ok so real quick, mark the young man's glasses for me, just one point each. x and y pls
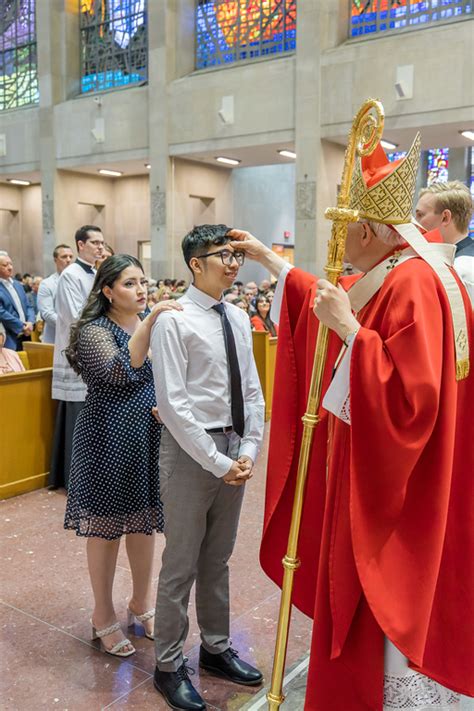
(226, 256)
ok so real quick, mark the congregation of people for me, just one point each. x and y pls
(155, 376)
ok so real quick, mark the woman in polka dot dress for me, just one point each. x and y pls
(114, 484)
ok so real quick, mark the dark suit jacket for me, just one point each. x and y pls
(9, 315)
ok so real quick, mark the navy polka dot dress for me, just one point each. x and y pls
(114, 485)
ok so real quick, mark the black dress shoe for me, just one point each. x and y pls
(177, 690)
(228, 665)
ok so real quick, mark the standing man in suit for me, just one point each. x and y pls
(210, 401)
(63, 256)
(74, 287)
(16, 314)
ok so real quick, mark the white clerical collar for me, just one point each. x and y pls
(201, 298)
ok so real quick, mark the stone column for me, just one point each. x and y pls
(58, 77)
(161, 28)
(320, 26)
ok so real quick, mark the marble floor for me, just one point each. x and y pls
(47, 658)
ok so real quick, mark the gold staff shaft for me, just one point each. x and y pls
(364, 135)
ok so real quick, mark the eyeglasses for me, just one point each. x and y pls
(226, 256)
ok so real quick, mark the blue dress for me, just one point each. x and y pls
(114, 484)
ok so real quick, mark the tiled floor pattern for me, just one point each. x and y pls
(47, 658)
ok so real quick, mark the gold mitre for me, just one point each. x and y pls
(382, 191)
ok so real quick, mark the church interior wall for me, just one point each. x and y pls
(263, 102)
(201, 194)
(131, 206)
(442, 85)
(22, 141)
(21, 227)
(83, 199)
(125, 121)
(264, 204)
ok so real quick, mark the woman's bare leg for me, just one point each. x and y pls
(102, 561)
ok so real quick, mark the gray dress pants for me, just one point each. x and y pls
(201, 518)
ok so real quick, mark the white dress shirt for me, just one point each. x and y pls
(46, 295)
(8, 283)
(74, 286)
(192, 381)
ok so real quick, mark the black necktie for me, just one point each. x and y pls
(236, 399)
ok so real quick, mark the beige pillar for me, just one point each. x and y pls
(57, 31)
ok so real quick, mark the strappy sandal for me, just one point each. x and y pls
(132, 618)
(117, 649)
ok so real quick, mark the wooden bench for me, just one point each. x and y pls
(264, 350)
(27, 416)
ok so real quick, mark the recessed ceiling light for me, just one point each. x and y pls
(388, 145)
(468, 134)
(228, 161)
(113, 173)
(147, 165)
(17, 181)
(287, 154)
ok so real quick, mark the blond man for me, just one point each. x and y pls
(447, 207)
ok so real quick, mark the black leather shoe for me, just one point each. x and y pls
(228, 665)
(177, 690)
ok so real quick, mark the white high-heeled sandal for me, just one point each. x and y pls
(132, 618)
(117, 649)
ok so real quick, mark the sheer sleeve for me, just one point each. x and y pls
(101, 358)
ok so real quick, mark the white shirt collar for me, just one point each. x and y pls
(200, 298)
(7, 281)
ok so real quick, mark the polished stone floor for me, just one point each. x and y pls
(48, 660)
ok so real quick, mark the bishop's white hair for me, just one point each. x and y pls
(385, 234)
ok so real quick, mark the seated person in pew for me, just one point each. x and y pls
(9, 360)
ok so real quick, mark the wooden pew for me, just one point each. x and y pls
(40, 355)
(27, 416)
(264, 350)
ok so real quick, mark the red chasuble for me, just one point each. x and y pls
(387, 535)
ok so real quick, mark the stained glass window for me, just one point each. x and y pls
(231, 31)
(114, 43)
(396, 155)
(368, 16)
(18, 72)
(438, 160)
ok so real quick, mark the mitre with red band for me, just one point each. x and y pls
(384, 192)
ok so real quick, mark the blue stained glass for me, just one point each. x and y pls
(18, 64)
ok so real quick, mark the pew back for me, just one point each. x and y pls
(264, 350)
(40, 355)
(27, 415)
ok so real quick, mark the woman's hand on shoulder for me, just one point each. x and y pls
(168, 305)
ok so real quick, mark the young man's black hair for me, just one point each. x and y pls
(82, 234)
(201, 238)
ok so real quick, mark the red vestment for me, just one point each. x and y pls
(387, 533)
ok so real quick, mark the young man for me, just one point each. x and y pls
(447, 207)
(63, 256)
(74, 286)
(210, 401)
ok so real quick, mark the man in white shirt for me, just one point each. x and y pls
(210, 401)
(447, 207)
(74, 286)
(63, 256)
